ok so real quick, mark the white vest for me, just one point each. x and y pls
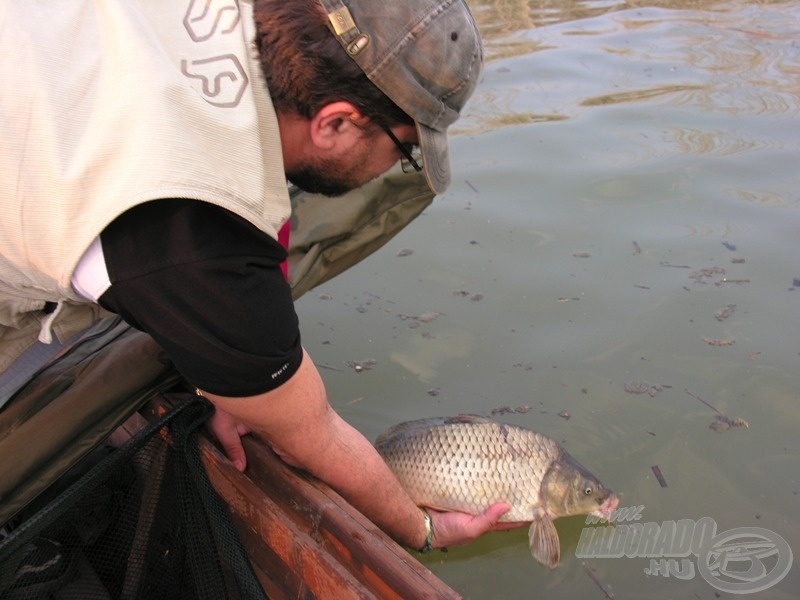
(107, 104)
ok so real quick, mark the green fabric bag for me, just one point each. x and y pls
(330, 235)
(73, 404)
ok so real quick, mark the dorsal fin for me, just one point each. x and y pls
(467, 418)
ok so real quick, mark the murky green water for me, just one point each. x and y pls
(611, 152)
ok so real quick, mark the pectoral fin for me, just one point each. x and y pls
(544, 542)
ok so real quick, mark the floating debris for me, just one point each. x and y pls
(364, 365)
(664, 263)
(724, 422)
(476, 297)
(526, 366)
(462, 293)
(434, 391)
(325, 297)
(565, 414)
(405, 252)
(724, 313)
(738, 261)
(429, 316)
(699, 399)
(636, 248)
(730, 247)
(565, 299)
(507, 410)
(425, 317)
(581, 255)
(702, 275)
(796, 282)
(721, 421)
(659, 476)
(725, 281)
(642, 387)
(641, 287)
(606, 593)
(637, 387)
(714, 342)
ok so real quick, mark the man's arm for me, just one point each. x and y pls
(299, 423)
(208, 287)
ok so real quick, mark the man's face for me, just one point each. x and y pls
(336, 175)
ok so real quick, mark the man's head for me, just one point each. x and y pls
(407, 66)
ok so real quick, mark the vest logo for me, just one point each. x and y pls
(206, 18)
(222, 79)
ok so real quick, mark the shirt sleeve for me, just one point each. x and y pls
(207, 285)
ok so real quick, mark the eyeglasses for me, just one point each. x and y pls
(408, 161)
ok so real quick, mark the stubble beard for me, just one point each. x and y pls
(323, 176)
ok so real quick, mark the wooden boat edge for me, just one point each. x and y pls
(304, 540)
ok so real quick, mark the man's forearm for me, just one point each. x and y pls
(353, 468)
(298, 422)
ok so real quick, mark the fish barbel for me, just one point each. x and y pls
(467, 463)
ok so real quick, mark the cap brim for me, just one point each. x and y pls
(435, 157)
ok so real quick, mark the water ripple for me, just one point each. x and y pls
(724, 57)
(716, 142)
(639, 95)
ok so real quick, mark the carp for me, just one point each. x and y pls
(467, 463)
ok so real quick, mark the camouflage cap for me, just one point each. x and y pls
(425, 55)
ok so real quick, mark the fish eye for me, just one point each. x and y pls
(588, 491)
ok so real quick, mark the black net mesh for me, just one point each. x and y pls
(141, 522)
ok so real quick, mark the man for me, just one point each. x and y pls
(144, 156)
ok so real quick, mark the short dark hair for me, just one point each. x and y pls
(306, 68)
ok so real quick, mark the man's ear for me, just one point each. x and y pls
(337, 126)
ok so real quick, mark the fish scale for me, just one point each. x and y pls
(467, 466)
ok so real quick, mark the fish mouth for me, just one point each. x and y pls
(608, 507)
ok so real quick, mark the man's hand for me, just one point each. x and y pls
(456, 528)
(229, 432)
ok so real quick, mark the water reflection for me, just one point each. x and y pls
(424, 355)
(499, 18)
(719, 56)
(767, 198)
(639, 95)
(714, 142)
